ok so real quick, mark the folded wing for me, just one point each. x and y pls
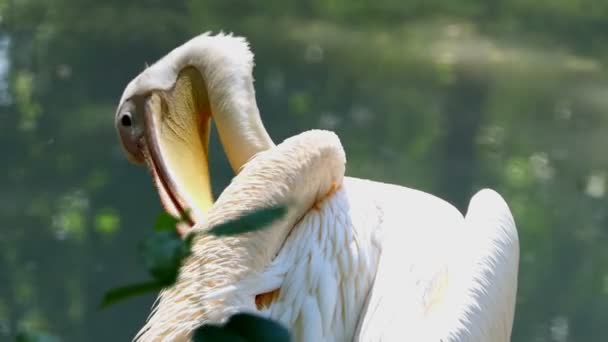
(442, 277)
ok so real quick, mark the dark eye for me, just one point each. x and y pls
(125, 119)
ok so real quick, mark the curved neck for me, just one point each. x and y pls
(226, 65)
(236, 115)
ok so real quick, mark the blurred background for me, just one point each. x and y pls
(443, 96)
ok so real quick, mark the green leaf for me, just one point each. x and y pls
(162, 254)
(252, 221)
(165, 222)
(119, 294)
(243, 327)
(256, 328)
(214, 333)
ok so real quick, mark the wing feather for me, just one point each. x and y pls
(442, 277)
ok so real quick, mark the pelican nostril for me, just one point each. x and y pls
(125, 120)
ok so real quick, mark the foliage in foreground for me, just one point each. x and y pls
(243, 327)
(163, 253)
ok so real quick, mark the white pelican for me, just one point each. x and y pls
(353, 260)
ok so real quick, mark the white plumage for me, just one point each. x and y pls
(353, 260)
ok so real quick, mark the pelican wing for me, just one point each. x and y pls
(442, 277)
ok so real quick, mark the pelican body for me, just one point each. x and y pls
(352, 260)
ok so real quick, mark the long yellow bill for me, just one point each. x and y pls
(177, 138)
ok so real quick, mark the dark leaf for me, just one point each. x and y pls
(119, 294)
(162, 254)
(255, 220)
(214, 333)
(256, 328)
(166, 222)
(188, 239)
(243, 327)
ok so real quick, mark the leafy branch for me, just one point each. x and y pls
(163, 253)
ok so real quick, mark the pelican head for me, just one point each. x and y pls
(164, 115)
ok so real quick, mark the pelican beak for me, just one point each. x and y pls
(176, 140)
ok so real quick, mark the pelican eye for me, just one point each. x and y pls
(125, 120)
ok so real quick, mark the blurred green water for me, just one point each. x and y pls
(443, 96)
